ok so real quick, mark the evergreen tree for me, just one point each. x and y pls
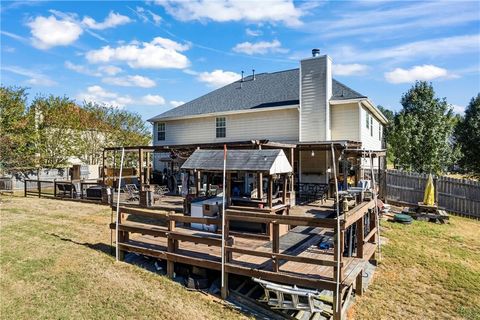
(468, 137)
(422, 135)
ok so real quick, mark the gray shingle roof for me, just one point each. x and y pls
(272, 161)
(267, 90)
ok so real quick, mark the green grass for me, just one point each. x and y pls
(55, 265)
(428, 271)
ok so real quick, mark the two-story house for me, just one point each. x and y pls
(294, 106)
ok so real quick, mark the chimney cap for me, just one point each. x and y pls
(315, 52)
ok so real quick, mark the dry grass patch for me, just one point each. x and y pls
(428, 271)
(55, 264)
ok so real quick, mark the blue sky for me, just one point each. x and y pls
(150, 56)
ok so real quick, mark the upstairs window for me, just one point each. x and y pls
(380, 132)
(161, 131)
(367, 119)
(221, 127)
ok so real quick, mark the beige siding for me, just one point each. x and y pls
(345, 122)
(369, 141)
(315, 92)
(277, 125)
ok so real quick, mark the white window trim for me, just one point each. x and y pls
(164, 131)
(216, 127)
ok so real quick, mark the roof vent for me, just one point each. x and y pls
(253, 74)
(315, 52)
(242, 77)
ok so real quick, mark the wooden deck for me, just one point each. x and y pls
(294, 258)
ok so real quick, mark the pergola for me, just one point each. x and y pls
(272, 163)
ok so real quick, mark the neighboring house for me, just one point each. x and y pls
(291, 106)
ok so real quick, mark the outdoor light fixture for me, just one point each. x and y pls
(313, 153)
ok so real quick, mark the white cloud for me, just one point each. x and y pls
(112, 20)
(147, 15)
(426, 48)
(157, 54)
(253, 33)
(175, 103)
(99, 95)
(110, 70)
(130, 81)
(34, 78)
(458, 109)
(261, 47)
(353, 69)
(152, 100)
(283, 11)
(387, 21)
(81, 69)
(49, 31)
(218, 78)
(100, 71)
(425, 72)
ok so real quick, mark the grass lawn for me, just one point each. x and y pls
(428, 271)
(55, 264)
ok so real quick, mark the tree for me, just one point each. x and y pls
(16, 129)
(467, 135)
(421, 138)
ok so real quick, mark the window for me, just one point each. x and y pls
(368, 119)
(221, 127)
(371, 126)
(161, 131)
(379, 132)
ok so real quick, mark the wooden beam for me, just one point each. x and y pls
(275, 245)
(360, 210)
(270, 191)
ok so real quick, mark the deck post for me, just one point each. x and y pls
(103, 167)
(198, 182)
(284, 194)
(373, 224)
(338, 252)
(260, 181)
(270, 191)
(140, 171)
(275, 245)
(228, 256)
(360, 229)
(292, 178)
(172, 245)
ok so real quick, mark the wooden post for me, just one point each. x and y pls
(103, 167)
(25, 188)
(146, 178)
(360, 236)
(284, 194)
(275, 245)
(39, 186)
(228, 256)
(270, 191)
(140, 171)
(228, 188)
(260, 181)
(172, 246)
(337, 252)
(198, 182)
(292, 161)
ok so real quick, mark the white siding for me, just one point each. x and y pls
(315, 92)
(345, 122)
(276, 125)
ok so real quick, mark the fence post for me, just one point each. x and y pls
(25, 188)
(39, 187)
(55, 187)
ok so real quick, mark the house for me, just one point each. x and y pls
(298, 106)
